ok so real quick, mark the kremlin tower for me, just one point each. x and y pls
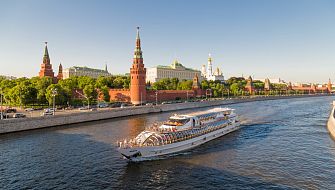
(46, 67)
(60, 72)
(138, 91)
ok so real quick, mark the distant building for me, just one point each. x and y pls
(209, 74)
(273, 80)
(175, 70)
(8, 77)
(84, 71)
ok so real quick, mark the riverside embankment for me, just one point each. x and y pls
(15, 125)
(331, 122)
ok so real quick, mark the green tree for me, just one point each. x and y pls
(60, 98)
(105, 92)
(204, 84)
(102, 81)
(235, 88)
(83, 81)
(41, 85)
(185, 85)
(90, 92)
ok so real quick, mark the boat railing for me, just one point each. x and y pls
(168, 138)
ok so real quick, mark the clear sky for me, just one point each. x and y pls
(290, 39)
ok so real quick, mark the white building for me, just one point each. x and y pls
(209, 74)
(273, 80)
(84, 71)
(175, 70)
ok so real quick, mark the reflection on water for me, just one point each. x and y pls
(282, 144)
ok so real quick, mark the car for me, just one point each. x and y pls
(29, 109)
(49, 110)
(149, 104)
(116, 104)
(11, 110)
(69, 108)
(47, 113)
(123, 105)
(19, 115)
(83, 108)
(103, 105)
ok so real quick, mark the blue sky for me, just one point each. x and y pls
(292, 39)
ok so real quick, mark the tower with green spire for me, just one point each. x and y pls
(138, 91)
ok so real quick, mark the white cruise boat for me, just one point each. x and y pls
(180, 132)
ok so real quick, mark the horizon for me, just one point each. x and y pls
(278, 39)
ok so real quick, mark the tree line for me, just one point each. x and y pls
(39, 91)
(234, 86)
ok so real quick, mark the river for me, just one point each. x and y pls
(283, 144)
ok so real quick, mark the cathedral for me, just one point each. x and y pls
(209, 74)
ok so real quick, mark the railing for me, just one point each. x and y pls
(174, 136)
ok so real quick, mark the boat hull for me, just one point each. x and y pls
(331, 122)
(141, 153)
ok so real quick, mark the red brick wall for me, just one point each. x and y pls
(168, 95)
(123, 95)
(120, 95)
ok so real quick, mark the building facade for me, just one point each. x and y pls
(175, 70)
(209, 74)
(84, 71)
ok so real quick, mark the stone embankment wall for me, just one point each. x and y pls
(13, 125)
(331, 123)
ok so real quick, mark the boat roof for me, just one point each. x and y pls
(201, 113)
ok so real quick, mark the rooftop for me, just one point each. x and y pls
(88, 69)
(176, 66)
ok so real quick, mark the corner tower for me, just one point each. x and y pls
(46, 67)
(138, 91)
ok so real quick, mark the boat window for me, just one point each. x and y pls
(176, 122)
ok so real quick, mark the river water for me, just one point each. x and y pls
(283, 144)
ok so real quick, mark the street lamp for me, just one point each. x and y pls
(210, 93)
(156, 97)
(54, 93)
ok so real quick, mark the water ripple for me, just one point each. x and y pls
(283, 144)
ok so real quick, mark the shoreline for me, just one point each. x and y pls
(23, 124)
